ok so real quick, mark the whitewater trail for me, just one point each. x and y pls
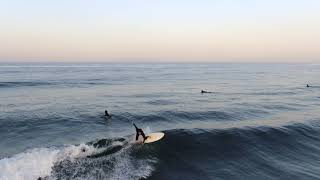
(39, 162)
(111, 161)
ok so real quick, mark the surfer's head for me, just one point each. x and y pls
(106, 113)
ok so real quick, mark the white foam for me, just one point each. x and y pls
(38, 162)
(128, 168)
(73, 151)
(28, 165)
(148, 130)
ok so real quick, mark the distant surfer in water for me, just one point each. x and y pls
(202, 91)
(140, 132)
(308, 85)
(106, 114)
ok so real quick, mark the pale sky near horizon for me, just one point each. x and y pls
(163, 30)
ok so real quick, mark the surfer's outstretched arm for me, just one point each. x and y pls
(137, 131)
(135, 126)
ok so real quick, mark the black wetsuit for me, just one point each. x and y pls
(107, 115)
(140, 132)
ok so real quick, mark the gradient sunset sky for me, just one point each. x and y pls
(160, 30)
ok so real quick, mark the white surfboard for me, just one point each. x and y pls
(154, 137)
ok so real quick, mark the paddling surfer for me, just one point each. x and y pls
(202, 91)
(106, 114)
(140, 132)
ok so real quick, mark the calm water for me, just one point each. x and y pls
(260, 122)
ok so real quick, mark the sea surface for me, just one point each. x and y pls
(259, 122)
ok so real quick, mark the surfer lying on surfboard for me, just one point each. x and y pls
(140, 132)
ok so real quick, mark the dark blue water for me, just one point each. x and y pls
(260, 122)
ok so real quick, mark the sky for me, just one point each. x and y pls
(160, 30)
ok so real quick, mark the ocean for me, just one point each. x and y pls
(259, 122)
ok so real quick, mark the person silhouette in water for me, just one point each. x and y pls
(140, 132)
(106, 114)
(202, 91)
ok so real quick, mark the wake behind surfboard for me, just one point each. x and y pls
(154, 137)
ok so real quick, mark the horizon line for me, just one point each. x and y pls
(162, 61)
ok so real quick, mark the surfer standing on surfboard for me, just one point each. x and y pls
(140, 132)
